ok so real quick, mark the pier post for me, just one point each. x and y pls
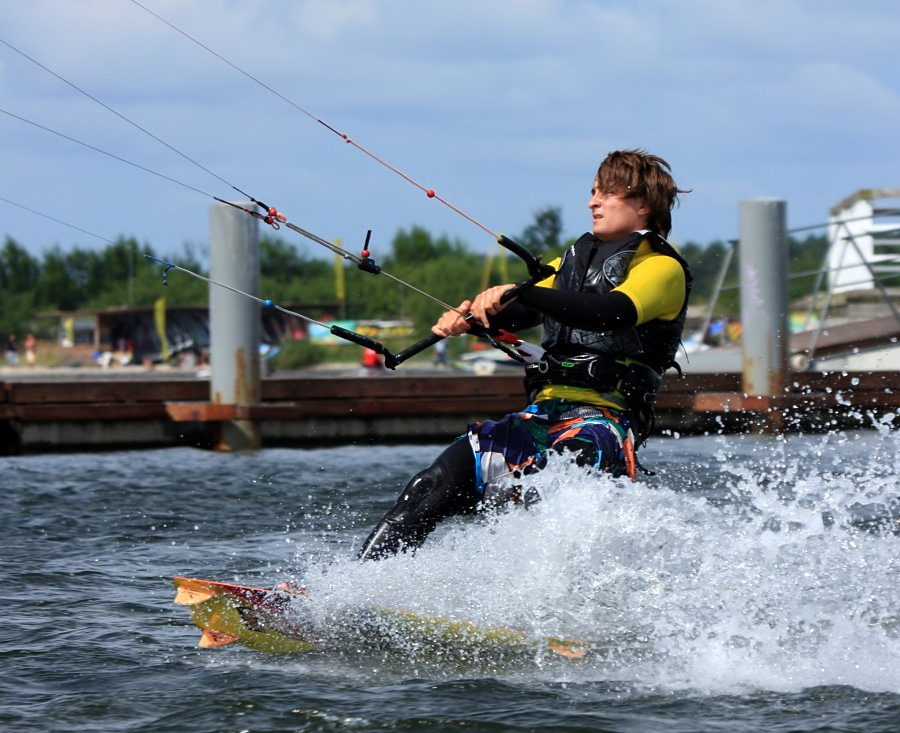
(234, 322)
(764, 302)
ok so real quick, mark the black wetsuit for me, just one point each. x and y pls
(583, 316)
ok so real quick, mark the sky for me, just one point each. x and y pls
(503, 108)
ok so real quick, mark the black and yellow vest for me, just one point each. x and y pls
(625, 366)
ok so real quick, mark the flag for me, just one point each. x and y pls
(159, 317)
(340, 290)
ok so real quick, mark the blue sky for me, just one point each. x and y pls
(503, 108)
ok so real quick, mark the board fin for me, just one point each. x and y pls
(568, 649)
(190, 596)
(211, 639)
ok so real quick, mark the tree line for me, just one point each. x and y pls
(120, 275)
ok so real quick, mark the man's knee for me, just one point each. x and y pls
(586, 454)
(447, 486)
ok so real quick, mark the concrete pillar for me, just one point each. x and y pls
(764, 298)
(234, 321)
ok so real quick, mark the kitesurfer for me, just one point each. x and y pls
(612, 319)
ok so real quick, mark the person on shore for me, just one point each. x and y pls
(371, 361)
(440, 355)
(612, 319)
(11, 350)
(31, 350)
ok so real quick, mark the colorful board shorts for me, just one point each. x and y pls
(518, 443)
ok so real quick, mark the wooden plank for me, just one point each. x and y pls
(670, 401)
(839, 381)
(204, 412)
(836, 400)
(388, 386)
(297, 411)
(690, 383)
(381, 408)
(105, 391)
(730, 402)
(846, 336)
(67, 413)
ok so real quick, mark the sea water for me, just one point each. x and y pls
(750, 584)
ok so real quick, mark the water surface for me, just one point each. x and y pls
(736, 590)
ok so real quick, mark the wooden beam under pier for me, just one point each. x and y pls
(103, 413)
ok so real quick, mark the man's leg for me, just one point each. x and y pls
(445, 488)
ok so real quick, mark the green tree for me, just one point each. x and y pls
(417, 245)
(544, 236)
(806, 260)
(440, 267)
(19, 271)
(58, 288)
(706, 265)
(289, 277)
(19, 276)
(280, 261)
(447, 269)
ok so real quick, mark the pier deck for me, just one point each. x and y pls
(129, 411)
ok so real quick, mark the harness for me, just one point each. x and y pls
(626, 382)
(625, 377)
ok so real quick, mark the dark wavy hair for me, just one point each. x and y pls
(638, 174)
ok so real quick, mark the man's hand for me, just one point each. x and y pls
(451, 323)
(488, 304)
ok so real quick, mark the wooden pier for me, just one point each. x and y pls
(101, 413)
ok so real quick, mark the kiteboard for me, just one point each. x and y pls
(276, 621)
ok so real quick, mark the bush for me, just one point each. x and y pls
(299, 354)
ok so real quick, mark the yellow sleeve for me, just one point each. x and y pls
(655, 284)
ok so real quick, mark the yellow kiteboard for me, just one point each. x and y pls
(273, 621)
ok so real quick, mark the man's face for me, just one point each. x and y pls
(616, 215)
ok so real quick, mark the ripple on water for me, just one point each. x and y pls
(734, 587)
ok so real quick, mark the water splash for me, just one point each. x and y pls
(748, 562)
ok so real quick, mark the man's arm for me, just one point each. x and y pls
(584, 311)
(654, 288)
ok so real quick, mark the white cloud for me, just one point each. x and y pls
(503, 107)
